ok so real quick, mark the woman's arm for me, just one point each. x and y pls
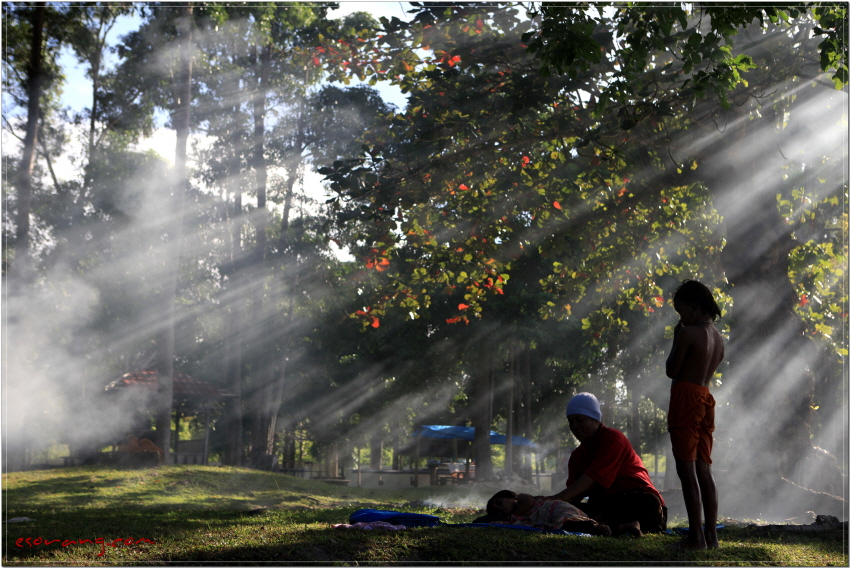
(575, 491)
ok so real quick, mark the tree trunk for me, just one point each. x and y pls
(635, 434)
(95, 61)
(174, 231)
(17, 433)
(234, 449)
(376, 450)
(509, 419)
(35, 79)
(235, 436)
(288, 282)
(527, 426)
(264, 411)
(479, 376)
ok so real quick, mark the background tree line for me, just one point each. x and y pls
(515, 232)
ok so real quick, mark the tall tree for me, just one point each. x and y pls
(34, 81)
(181, 120)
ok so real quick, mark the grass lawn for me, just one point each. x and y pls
(195, 515)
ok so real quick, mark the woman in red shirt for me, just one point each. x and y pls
(606, 470)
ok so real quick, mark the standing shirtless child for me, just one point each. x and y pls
(697, 352)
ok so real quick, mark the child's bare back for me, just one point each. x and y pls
(696, 354)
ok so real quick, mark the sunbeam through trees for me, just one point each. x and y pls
(343, 270)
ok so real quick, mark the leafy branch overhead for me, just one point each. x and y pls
(492, 159)
(568, 39)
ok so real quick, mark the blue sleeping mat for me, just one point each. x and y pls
(394, 517)
(423, 520)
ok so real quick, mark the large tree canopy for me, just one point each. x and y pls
(603, 169)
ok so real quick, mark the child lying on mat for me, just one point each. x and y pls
(506, 507)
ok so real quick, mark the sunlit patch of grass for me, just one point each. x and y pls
(207, 515)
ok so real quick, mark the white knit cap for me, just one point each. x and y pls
(586, 404)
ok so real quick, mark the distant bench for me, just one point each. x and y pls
(189, 452)
(334, 480)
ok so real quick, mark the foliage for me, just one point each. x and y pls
(469, 178)
(832, 23)
(817, 266)
(568, 39)
(818, 271)
(16, 50)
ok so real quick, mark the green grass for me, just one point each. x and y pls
(221, 515)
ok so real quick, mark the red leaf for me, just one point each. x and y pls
(453, 320)
(463, 187)
(804, 299)
(316, 61)
(376, 322)
(556, 205)
(462, 306)
(525, 161)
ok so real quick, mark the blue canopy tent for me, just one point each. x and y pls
(465, 433)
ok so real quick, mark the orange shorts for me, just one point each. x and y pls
(691, 421)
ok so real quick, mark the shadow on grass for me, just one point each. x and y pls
(468, 546)
(201, 487)
(187, 537)
(284, 537)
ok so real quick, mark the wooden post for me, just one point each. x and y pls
(416, 464)
(509, 442)
(207, 434)
(536, 462)
(175, 434)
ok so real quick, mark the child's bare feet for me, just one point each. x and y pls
(711, 538)
(632, 528)
(688, 544)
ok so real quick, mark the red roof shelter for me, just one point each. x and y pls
(184, 385)
(191, 396)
